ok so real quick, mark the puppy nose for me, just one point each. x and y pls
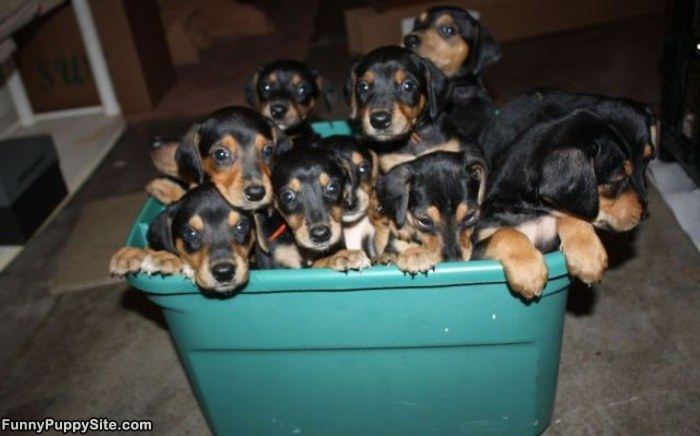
(278, 110)
(223, 272)
(411, 41)
(254, 192)
(320, 233)
(380, 119)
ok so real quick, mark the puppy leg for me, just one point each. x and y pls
(523, 264)
(164, 190)
(585, 254)
(418, 259)
(127, 260)
(344, 260)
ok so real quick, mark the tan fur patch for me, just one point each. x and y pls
(447, 54)
(233, 218)
(648, 151)
(324, 179)
(523, 264)
(272, 77)
(461, 211)
(434, 214)
(296, 79)
(622, 213)
(399, 76)
(295, 184)
(585, 255)
(356, 158)
(196, 222)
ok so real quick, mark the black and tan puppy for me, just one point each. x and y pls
(433, 203)
(286, 92)
(232, 148)
(361, 167)
(453, 40)
(461, 47)
(310, 191)
(397, 97)
(201, 236)
(554, 183)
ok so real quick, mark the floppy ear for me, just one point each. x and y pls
(436, 82)
(567, 182)
(349, 195)
(393, 190)
(350, 92)
(488, 50)
(251, 90)
(159, 234)
(260, 237)
(189, 161)
(325, 90)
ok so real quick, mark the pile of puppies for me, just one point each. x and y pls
(437, 172)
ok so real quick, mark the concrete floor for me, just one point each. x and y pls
(629, 360)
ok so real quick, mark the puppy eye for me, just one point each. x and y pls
(266, 87)
(446, 30)
(221, 155)
(287, 196)
(302, 90)
(242, 227)
(191, 237)
(364, 169)
(332, 188)
(267, 150)
(424, 222)
(469, 218)
(408, 85)
(363, 87)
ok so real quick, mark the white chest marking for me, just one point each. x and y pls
(354, 234)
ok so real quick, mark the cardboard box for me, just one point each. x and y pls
(31, 186)
(55, 69)
(371, 27)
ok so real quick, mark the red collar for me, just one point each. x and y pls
(278, 232)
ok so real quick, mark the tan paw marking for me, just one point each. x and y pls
(127, 260)
(162, 262)
(345, 260)
(526, 273)
(586, 259)
(417, 260)
(164, 190)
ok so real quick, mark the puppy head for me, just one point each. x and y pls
(309, 195)
(361, 166)
(436, 198)
(454, 40)
(214, 238)
(392, 90)
(286, 92)
(233, 148)
(594, 167)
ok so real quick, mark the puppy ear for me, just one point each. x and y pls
(251, 90)
(437, 84)
(160, 236)
(375, 165)
(476, 170)
(349, 195)
(189, 161)
(260, 237)
(488, 50)
(567, 182)
(325, 90)
(350, 92)
(393, 190)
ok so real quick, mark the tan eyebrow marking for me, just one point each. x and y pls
(196, 222)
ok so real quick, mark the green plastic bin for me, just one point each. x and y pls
(377, 352)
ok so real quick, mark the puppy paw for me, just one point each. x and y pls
(417, 260)
(586, 259)
(162, 262)
(127, 260)
(345, 260)
(164, 190)
(526, 273)
(385, 259)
